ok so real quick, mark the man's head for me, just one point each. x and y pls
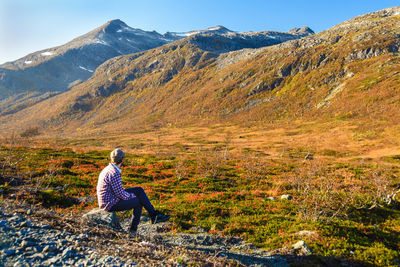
(117, 156)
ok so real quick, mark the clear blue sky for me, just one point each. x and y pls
(30, 25)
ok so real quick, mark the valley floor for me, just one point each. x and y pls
(271, 186)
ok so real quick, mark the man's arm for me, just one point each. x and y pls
(116, 186)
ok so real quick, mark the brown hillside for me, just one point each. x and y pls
(347, 74)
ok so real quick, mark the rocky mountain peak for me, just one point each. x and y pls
(113, 26)
(59, 68)
(218, 29)
(305, 30)
(211, 30)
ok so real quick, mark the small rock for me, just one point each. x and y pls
(27, 243)
(197, 229)
(93, 255)
(8, 229)
(37, 256)
(54, 260)
(108, 259)
(148, 244)
(37, 248)
(272, 198)
(286, 197)
(15, 218)
(67, 253)
(83, 236)
(130, 263)
(62, 242)
(49, 248)
(70, 238)
(302, 248)
(25, 224)
(30, 239)
(9, 252)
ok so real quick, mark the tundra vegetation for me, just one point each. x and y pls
(217, 139)
(342, 207)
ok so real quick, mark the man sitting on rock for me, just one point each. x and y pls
(112, 197)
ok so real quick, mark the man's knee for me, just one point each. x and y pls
(135, 190)
(139, 189)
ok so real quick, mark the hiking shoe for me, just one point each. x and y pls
(134, 235)
(159, 217)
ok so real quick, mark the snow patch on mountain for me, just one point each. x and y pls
(98, 41)
(85, 69)
(214, 28)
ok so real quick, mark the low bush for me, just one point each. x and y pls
(345, 206)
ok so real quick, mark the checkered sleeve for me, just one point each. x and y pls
(116, 186)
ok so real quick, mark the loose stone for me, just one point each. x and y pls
(67, 253)
(27, 243)
(302, 248)
(25, 224)
(9, 252)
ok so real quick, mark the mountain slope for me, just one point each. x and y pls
(60, 68)
(56, 69)
(224, 40)
(347, 72)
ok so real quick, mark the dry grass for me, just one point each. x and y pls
(329, 140)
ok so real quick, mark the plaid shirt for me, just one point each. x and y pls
(109, 188)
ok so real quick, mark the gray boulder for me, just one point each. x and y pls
(301, 248)
(98, 217)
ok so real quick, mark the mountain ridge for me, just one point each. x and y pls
(51, 71)
(59, 68)
(315, 77)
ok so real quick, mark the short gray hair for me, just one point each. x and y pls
(117, 155)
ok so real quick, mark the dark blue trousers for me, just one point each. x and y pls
(137, 203)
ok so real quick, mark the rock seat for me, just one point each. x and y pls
(99, 217)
